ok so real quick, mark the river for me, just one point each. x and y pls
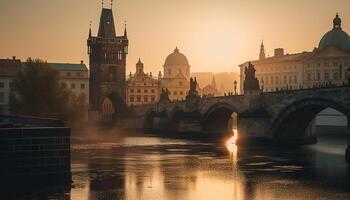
(152, 168)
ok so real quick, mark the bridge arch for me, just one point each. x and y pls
(175, 116)
(219, 118)
(293, 121)
(111, 105)
(148, 123)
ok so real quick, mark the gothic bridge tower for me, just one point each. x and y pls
(107, 55)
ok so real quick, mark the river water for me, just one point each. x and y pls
(152, 168)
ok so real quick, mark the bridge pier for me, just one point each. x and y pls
(253, 126)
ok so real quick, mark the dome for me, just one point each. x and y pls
(336, 37)
(176, 58)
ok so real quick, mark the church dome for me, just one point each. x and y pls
(176, 58)
(336, 37)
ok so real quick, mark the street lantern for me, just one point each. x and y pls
(235, 86)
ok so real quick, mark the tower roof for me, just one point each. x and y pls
(106, 28)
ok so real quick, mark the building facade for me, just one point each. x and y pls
(74, 77)
(8, 71)
(329, 63)
(141, 88)
(176, 75)
(107, 55)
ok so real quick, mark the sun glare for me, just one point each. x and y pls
(231, 142)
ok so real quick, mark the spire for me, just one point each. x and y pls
(337, 22)
(176, 50)
(139, 66)
(90, 30)
(213, 82)
(106, 28)
(125, 32)
(262, 51)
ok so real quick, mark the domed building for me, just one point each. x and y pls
(176, 63)
(336, 37)
(329, 63)
(176, 75)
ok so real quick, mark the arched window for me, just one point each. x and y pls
(107, 109)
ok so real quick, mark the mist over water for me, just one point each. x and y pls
(140, 167)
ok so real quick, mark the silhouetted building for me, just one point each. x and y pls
(107, 55)
(211, 89)
(141, 88)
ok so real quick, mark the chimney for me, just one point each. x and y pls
(81, 62)
(14, 57)
(279, 52)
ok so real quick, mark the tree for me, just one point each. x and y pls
(37, 92)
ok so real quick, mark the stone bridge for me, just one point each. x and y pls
(282, 116)
(275, 115)
(279, 116)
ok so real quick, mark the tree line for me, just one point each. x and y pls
(37, 91)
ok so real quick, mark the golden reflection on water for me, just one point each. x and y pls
(232, 147)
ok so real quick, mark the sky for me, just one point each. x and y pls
(215, 35)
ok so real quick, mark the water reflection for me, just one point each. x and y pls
(154, 168)
(232, 147)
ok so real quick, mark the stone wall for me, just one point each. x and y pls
(35, 156)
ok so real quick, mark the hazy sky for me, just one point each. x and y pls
(215, 35)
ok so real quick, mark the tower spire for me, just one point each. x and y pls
(125, 32)
(90, 30)
(262, 51)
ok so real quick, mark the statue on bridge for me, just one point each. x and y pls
(192, 99)
(164, 95)
(193, 87)
(251, 83)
